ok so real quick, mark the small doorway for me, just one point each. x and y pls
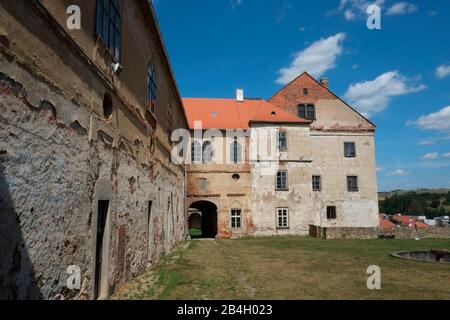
(102, 216)
(150, 231)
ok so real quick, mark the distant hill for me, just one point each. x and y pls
(424, 202)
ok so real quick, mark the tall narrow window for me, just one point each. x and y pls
(331, 213)
(108, 23)
(282, 218)
(352, 184)
(316, 183)
(207, 152)
(196, 152)
(282, 181)
(151, 87)
(282, 141)
(236, 219)
(349, 149)
(236, 151)
(305, 91)
(307, 111)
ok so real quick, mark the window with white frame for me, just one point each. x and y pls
(282, 218)
(236, 219)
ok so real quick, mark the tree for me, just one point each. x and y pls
(435, 204)
(416, 207)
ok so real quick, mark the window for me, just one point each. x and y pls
(107, 106)
(236, 177)
(207, 152)
(107, 25)
(235, 219)
(236, 151)
(202, 183)
(349, 149)
(352, 184)
(305, 91)
(307, 111)
(331, 213)
(151, 87)
(282, 218)
(282, 181)
(317, 183)
(196, 152)
(282, 141)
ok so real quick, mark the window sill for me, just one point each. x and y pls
(283, 228)
(282, 190)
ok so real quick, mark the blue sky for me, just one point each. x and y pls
(399, 76)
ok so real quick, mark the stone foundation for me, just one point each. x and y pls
(375, 233)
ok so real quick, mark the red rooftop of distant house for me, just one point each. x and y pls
(410, 222)
(385, 223)
(233, 114)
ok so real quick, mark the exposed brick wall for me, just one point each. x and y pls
(289, 97)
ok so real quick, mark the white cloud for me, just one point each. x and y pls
(398, 173)
(401, 8)
(319, 57)
(430, 156)
(371, 97)
(235, 3)
(446, 155)
(428, 142)
(354, 9)
(442, 71)
(439, 121)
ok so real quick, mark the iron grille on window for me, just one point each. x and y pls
(107, 26)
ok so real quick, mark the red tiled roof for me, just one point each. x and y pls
(385, 223)
(231, 114)
(407, 221)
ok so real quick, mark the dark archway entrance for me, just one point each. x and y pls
(204, 215)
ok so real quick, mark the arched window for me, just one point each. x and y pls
(196, 150)
(207, 152)
(151, 87)
(236, 152)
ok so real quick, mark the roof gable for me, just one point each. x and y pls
(316, 92)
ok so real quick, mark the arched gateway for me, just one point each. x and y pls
(203, 219)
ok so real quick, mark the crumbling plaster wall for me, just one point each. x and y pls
(55, 149)
(297, 162)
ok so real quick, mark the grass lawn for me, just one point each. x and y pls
(291, 268)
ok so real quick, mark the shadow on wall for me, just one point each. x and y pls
(17, 279)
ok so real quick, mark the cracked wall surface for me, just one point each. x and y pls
(60, 155)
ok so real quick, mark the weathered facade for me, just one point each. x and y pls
(309, 162)
(86, 177)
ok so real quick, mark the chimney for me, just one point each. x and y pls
(324, 82)
(239, 95)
